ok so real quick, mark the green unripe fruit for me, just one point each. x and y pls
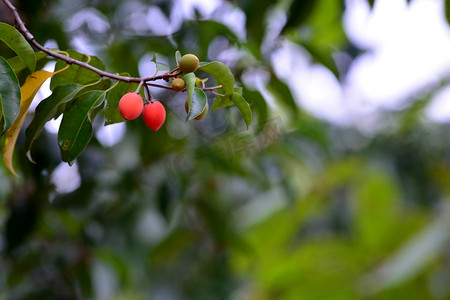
(178, 84)
(189, 63)
(200, 116)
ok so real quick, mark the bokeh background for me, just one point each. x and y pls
(339, 190)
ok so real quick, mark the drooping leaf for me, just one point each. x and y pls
(197, 105)
(9, 95)
(243, 107)
(46, 110)
(17, 42)
(159, 66)
(19, 65)
(76, 130)
(221, 73)
(75, 73)
(371, 3)
(112, 114)
(189, 79)
(28, 91)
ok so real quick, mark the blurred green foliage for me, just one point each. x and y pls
(289, 209)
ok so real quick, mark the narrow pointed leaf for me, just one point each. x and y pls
(189, 79)
(243, 107)
(16, 41)
(19, 65)
(76, 130)
(221, 73)
(75, 73)
(46, 110)
(197, 105)
(28, 91)
(9, 95)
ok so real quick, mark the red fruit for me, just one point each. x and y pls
(130, 106)
(154, 115)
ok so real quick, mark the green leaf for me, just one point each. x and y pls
(221, 73)
(159, 66)
(10, 95)
(298, 13)
(171, 247)
(76, 130)
(46, 110)
(75, 73)
(96, 85)
(259, 106)
(112, 114)
(189, 79)
(221, 102)
(19, 65)
(282, 94)
(16, 41)
(177, 56)
(197, 105)
(371, 3)
(243, 107)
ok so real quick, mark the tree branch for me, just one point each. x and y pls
(23, 29)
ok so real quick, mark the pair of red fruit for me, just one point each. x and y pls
(154, 113)
(131, 106)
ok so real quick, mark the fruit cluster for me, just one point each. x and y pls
(131, 105)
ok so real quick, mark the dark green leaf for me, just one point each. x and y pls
(16, 41)
(46, 110)
(371, 3)
(221, 73)
(243, 107)
(298, 13)
(197, 105)
(75, 131)
(19, 65)
(75, 73)
(9, 95)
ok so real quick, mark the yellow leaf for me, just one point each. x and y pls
(29, 90)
